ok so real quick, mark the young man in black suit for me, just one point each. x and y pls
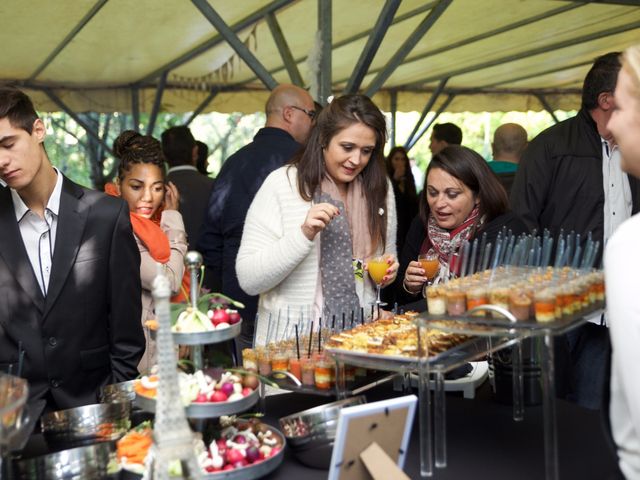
(69, 272)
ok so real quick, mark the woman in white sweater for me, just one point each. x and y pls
(314, 223)
(622, 264)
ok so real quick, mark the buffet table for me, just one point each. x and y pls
(483, 440)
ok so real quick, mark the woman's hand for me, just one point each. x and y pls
(171, 197)
(318, 218)
(414, 277)
(392, 271)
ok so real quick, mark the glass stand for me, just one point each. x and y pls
(433, 437)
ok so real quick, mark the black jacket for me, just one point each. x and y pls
(559, 181)
(233, 191)
(86, 332)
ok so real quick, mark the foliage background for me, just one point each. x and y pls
(85, 161)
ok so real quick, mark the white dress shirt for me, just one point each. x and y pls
(617, 193)
(39, 234)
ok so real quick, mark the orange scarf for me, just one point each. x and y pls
(151, 235)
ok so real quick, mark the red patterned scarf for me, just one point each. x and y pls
(447, 242)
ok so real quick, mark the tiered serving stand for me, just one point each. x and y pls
(486, 335)
(203, 411)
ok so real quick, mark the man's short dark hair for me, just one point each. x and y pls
(448, 132)
(18, 108)
(602, 77)
(177, 145)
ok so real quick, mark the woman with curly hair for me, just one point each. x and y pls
(157, 225)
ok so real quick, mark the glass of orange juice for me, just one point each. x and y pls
(377, 267)
(430, 264)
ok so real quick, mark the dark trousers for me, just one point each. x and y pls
(582, 359)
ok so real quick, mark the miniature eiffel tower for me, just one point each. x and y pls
(172, 437)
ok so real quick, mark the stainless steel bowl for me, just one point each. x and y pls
(118, 392)
(90, 423)
(93, 461)
(314, 448)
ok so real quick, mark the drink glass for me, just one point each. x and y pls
(430, 264)
(377, 267)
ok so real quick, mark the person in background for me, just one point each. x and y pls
(404, 189)
(290, 114)
(69, 273)
(461, 199)
(315, 223)
(157, 223)
(570, 178)
(202, 161)
(509, 142)
(181, 153)
(622, 262)
(443, 135)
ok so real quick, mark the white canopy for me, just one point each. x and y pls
(94, 55)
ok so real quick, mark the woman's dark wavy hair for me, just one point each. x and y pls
(131, 148)
(341, 113)
(409, 180)
(472, 170)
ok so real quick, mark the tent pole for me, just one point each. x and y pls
(373, 43)
(325, 27)
(153, 116)
(530, 53)
(283, 48)
(135, 108)
(442, 108)
(427, 108)
(400, 18)
(394, 110)
(484, 35)
(406, 47)
(62, 45)
(90, 131)
(205, 103)
(216, 40)
(547, 106)
(234, 42)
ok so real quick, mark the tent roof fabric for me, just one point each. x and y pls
(496, 54)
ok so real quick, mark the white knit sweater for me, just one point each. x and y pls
(278, 262)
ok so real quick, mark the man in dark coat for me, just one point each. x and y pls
(570, 178)
(181, 152)
(290, 112)
(69, 272)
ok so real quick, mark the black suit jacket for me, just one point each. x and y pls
(86, 333)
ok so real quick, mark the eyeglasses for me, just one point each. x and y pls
(310, 113)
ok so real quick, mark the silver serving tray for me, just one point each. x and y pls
(93, 461)
(250, 472)
(206, 410)
(254, 471)
(205, 338)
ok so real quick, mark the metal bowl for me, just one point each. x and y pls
(118, 392)
(90, 423)
(93, 461)
(314, 448)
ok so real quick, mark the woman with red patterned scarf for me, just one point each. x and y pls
(461, 199)
(157, 225)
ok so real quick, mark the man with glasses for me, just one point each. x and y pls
(290, 112)
(69, 272)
